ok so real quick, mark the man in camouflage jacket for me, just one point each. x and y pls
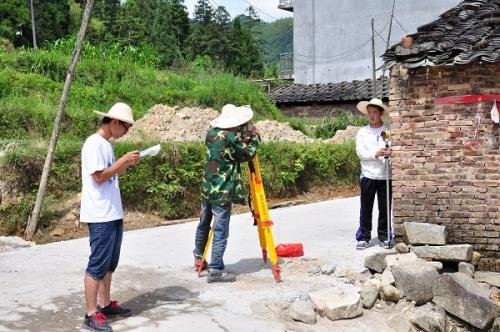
(229, 142)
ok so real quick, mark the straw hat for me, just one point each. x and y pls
(119, 111)
(363, 108)
(232, 116)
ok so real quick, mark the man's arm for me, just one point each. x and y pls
(245, 149)
(363, 151)
(129, 159)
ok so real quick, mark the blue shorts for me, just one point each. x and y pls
(105, 242)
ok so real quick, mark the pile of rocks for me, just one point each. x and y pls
(420, 285)
(415, 271)
(177, 124)
(343, 136)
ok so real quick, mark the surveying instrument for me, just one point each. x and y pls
(386, 137)
(260, 213)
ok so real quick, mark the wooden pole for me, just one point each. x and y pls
(374, 75)
(33, 219)
(387, 47)
(33, 29)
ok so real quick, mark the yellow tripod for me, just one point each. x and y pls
(260, 212)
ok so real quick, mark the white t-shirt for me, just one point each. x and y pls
(368, 142)
(99, 202)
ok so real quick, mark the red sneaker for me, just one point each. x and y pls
(115, 309)
(97, 322)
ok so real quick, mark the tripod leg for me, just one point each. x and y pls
(205, 252)
(256, 212)
(388, 203)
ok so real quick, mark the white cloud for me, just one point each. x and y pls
(267, 9)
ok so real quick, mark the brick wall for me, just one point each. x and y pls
(316, 111)
(437, 179)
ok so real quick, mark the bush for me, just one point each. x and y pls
(328, 128)
(31, 83)
(169, 184)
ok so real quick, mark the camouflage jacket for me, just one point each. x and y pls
(225, 150)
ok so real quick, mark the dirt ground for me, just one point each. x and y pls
(67, 227)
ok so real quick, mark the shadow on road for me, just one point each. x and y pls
(248, 265)
(157, 297)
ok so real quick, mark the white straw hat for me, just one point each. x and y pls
(363, 108)
(232, 116)
(119, 111)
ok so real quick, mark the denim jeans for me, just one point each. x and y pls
(105, 243)
(221, 215)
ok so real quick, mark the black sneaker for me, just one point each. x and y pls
(114, 309)
(221, 277)
(97, 322)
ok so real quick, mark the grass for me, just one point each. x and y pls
(31, 83)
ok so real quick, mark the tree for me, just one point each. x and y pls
(247, 59)
(203, 13)
(202, 23)
(163, 35)
(179, 22)
(33, 219)
(14, 20)
(52, 21)
(33, 27)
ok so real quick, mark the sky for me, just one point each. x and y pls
(267, 9)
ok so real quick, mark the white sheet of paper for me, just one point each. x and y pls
(152, 151)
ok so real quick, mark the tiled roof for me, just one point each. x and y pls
(468, 32)
(328, 92)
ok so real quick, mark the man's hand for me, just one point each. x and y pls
(383, 152)
(130, 158)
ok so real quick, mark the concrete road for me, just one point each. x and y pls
(41, 288)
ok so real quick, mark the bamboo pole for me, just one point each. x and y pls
(35, 215)
(33, 28)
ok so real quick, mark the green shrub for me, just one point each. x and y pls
(103, 78)
(330, 125)
(169, 184)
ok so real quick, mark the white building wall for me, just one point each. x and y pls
(332, 38)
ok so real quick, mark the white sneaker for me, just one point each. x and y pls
(361, 245)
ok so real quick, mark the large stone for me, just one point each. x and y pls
(399, 323)
(338, 302)
(395, 260)
(369, 295)
(466, 268)
(303, 311)
(450, 253)
(387, 278)
(495, 295)
(402, 248)
(476, 257)
(492, 278)
(496, 325)
(376, 261)
(423, 233)
(437, 265)
(390, 293)
(429, 318)
(465, 298)
(415, 280)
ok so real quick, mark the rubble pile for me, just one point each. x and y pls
(410, 285)
(343, 136)
(165, 123)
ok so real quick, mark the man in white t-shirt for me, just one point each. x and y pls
(101, 209)
(373, 154)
